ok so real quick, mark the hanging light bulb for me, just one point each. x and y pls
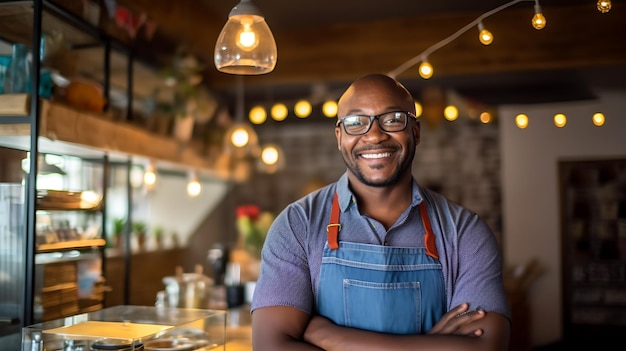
(272, 159)
(598, 119)
(425, 69)
(329, 108)
(240, 136)
(538, 21)
(521, 121)
(485, 117)
(604, 6)
(240, 139)
(149, 176)
(269, 155)
(302, 109)
(484, 36)
(560, 120)
(279, 112)
(451, 113)
(193, 186)
(257, 115)
(246, 45)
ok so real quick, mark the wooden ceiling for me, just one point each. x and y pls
(333, 42)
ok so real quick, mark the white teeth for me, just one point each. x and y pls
(386, 154)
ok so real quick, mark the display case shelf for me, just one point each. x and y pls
(133, 326)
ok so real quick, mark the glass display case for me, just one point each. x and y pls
(130, 328)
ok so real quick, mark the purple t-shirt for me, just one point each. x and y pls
(292, 254)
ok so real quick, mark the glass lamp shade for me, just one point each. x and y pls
(246, 45)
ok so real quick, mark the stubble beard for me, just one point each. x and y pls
(403, 167)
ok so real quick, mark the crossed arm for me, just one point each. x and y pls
(287, 328)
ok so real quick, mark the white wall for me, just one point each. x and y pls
(530, 190)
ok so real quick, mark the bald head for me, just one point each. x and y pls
(374, 93)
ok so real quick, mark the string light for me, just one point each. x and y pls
(451, 113)
(426, 70)
(521, 121)
(560, 120)
(604, 6)
(538, 21)
(485, 117)
(279, 112)
(329, 108)
(302, 109)
(257, 115)
(598, 119)
(421, 58)
(484, 36)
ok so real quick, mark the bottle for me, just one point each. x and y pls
(18, 72)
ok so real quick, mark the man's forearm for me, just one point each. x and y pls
(492, 335)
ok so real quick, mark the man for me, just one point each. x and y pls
(373, 261)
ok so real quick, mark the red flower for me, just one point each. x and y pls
(251, 211)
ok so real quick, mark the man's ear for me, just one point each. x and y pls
(338, 136)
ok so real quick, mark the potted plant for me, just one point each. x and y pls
(158, 236)
(118, 230)
(140, 229)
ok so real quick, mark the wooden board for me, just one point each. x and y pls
(116, 330)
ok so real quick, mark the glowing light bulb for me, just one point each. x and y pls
(451, 113)
(418, 109)
(193, 186)
(269, 155)
(279, 112)
(484, 36)
(538, 21)
(604, 6)
(240, 137)
(598, 119)
(329, 109)
(560, 120)
(257, 115)
(425, 70)
(149, 176)
(247, 39)
(521, 121)
(302, 109)
(485, 117)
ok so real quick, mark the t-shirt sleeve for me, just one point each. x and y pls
(479, 277)
(285, 279)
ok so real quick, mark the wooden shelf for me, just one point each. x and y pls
(74, 244)
(69, 131)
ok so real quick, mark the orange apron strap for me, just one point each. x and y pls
(334, 226)
(429, 238)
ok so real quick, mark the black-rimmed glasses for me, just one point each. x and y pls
(394, 121)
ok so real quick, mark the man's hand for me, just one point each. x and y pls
(457, 321)
(322, 332)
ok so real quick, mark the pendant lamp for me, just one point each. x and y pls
(246, 45)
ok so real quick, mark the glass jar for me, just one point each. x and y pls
(18, 72)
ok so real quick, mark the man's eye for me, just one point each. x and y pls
(353, 122)
(393, 120)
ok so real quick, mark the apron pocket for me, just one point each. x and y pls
(383, 307)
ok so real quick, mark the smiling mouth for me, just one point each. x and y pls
(375, 156)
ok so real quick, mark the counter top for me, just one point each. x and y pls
(239, 329)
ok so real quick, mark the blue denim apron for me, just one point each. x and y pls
(398, 290)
